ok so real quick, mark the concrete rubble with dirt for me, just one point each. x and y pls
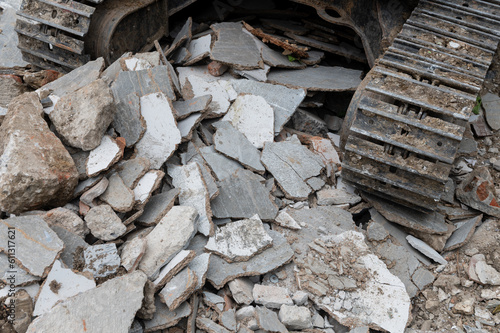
(209, 199)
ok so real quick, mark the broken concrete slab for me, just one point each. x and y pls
(242, 290)
(132, 170)
(178, 227)
(242, 195)
(128, 120)
(179, 288)
(95, 191)
(101, 260)
(477, 190)
(271, 297)
(199, 266)
(193, 155)
(232, 143)
(104, 223)
(162, 135)
(463, 234)
(320, 78)
(146, 185)
(254, 117)
(491, 106)
(221, 166)
(328, 197)
(285, 220)
(11, 273)
(132, 252)
(255, 74)
(72, 242)
(77, 78)
(36, 169)
(181, 56)
(83, 116)
(183, 36)
(209, 326)
(66, 219)
(199, 49)
(426, 249)
(183, 109)
(193, 192)
(239, 241)
(291, 165)
(487, 274)
(234, 47)
(315, 58)
(422, 278)
(157, 207)
(220, 271)
(61, 283)
(268, 320)
(164, 318)
(104, 156)
(36, 245)
(196, 86)
(380, 301)
(121, 297)
(187, 125)
(118, 195)
(433, 223)
(181, 260)
(295, 317)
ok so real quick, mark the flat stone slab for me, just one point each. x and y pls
(319, 78)
(132, 252)
(164, 318)
(162, 135)
(232, 143)
(157, 207)
(254, 117)
(425, 249)
(171, 235)
(104, 156)
(221, 166)
(336, 197)
(31, 242)
(184, 36)
(271, 297)
(220, 271)
(234, 47)
(104, 223)
(9, 270)
(193, 155)
(181, 260)
(291, 165)
(255, 74)
(177, 290)
(199, 49)
(240, 240)
(433, 223)
(132, 170)
(121, 297)
(283, 100)
(146, 185)
(199, 266)
(72, 242)
(182, 109)
(193, 192)
(242, 195)
(118, 195)
(491, 106)
(101, 260)
(379, 302)
(187, 125)
(61, 283)
(463, 234)
(128, 120)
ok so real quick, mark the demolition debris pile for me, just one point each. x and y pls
(198, 190)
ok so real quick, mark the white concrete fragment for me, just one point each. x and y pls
(240, 240)
(61, 283)
(487, 274)
(284, 219)
(271, 297)
(295, 317)
(193, 192)
(181, 260)
(104, 156)
(426, 249)
(147, 184)
(253, 117)
(101, 260)
(197, 86)
(162, 135)
(187, 126)
(199, 49)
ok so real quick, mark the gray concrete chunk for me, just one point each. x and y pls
(199, 266)
(118, 195)
(232, 143)
(132, 170)
(132, 252)
(36, 245)
(8, 269)
(104, 223)
(181, 260)
(295, 317)
(220, 271)
(336, 197)
(271, 297)
(198, 49)
(268, 320)
(242, 290)
(101, 260)
(128, 120)
(121, 297)
(182, 109)
(157, 207)
(221, 166)
(164, 318)
(425, 249)
(234, 47)
(291, 165)
(66, 219)
(240, 240)
(463, 234)
(72, 242)
(177, 290)
(209, 326)
(422, 278)
(283, 100)
(242, 195)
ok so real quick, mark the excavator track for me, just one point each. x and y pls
(407, 119)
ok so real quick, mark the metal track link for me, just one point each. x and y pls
(407, 119)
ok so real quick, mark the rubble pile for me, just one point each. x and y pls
(198, 189)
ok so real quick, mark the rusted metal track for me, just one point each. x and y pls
(407, 119)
